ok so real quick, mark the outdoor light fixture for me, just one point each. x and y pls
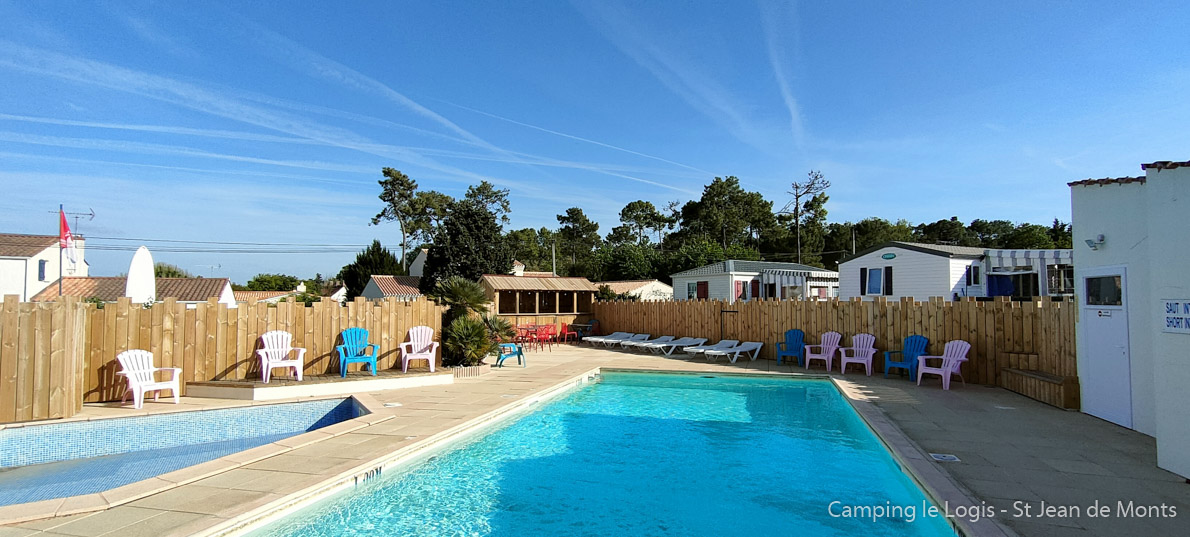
(1095, 243)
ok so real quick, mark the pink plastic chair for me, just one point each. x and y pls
(565, 334)
(826, 350)
(545, 336)
(863, 347)
(952, 358)
(421, 346)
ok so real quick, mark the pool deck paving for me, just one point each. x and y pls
(1014, 452)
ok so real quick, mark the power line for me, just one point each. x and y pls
(225, 242)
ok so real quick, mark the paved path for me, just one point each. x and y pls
(1012, 449)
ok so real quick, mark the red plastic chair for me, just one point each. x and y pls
(565, 333)
(546, 335)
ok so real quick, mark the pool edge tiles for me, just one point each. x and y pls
(249, 521)
(937, 484)
(365, 413)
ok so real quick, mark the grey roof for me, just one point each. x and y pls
(722, 267)
(944, 250)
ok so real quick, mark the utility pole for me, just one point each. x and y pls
(554, 257)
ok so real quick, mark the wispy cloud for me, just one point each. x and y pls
(674, 70)
(162, 129)
(573, 137)
(162, 149)
(780, 19)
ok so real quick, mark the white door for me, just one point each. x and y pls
(1105, 374)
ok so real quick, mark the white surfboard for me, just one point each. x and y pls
(142, 285)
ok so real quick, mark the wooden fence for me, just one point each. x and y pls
(999, 331)
(41, 359)
(54, 356)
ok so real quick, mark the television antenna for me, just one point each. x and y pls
(90, 216)
(212, 268)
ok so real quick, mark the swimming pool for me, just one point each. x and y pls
(646, 454)
(41, 462)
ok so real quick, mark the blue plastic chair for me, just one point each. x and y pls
(590, 331)
(794, 345)
(913, 347)
(509, 350)
(355, 350)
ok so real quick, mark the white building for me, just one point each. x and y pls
(29, 263)
(733, 280)
(920, 271)
(1132, 258)
(645, 290)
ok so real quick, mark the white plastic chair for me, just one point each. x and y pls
(139, 371)
(861, 351)
(421, 346)
(275, 351)
(953, 356)
(734, 352)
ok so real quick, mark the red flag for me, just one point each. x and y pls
(65, 237)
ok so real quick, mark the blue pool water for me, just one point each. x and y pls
(49, 461)
(641, 454)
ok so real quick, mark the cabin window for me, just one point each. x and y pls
(41, 270)
(770, 290)
(692, 290)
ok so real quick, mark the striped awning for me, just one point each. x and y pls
(1009, 260)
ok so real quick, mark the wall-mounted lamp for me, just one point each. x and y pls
(1095, 243)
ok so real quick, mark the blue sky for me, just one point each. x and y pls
(268, 122)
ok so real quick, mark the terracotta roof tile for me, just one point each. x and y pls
(16, 245)
(110, 288)
(1164, 165)
(397, 285)
(244, 296)
(105, 288)
(1107, 181)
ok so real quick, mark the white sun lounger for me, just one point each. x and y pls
(725, 344)
(734, 353)
(668, 347)
(633, 337)
(641, 343)
(616, 336)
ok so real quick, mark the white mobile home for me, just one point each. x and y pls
(29, 263)
(920, 271)
(1133, 332)
(733, 280)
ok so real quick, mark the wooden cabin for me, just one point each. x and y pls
(539, 299)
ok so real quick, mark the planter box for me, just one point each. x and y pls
(471, 371)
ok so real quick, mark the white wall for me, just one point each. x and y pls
(12, 277)
(19, 276)
(915, 274)
(1169, 254)
(718, 286)
(1113, 210)
(958, 278)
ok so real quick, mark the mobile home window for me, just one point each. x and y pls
(973, 275)
(692, 290)
(41, 270)
(875, 281)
